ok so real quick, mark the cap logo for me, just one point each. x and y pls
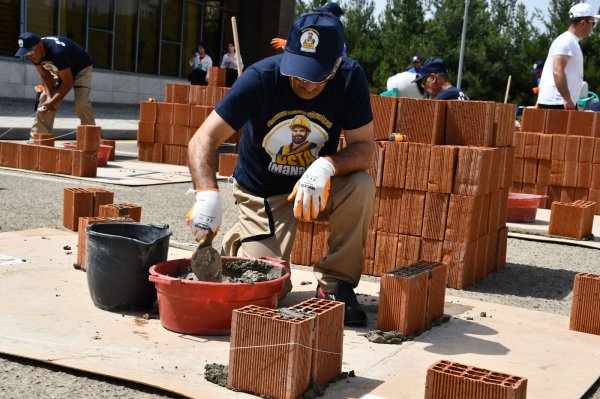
(309, 41)
(20, 42)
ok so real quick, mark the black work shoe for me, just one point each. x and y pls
(353, 313)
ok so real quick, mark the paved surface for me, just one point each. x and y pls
(118, 121)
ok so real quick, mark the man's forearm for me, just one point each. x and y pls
(560, 81)
(202, 161)
(355, 157)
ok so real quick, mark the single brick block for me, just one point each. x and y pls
(28, 157)
(47, 159)
(580, 123)
(385, 252)
(508, 165)
(197, 95)
(501, 246)
(595, 178)
(328, 344)
(531, 144)
(529, 170)
(543, 172)
(412, 205)
(82, 235)
(559, 143)
(389, 209)
(198, 114)
(384, 115)
(121, 210)
(545, 147)
(146, 132)
(101, 197)
(150, 152)
(64, 162)
(9, 154)
(88, 138)
(533, 120)
(470, 123)
(270, 352)
(504, 124)
(570, 174)
(518, 170)
(519, 144)
(407, 251)
(460, 258)
(77, 202)
(585, 308)
(584, 175)
(111, 143)
(572, 219)
(572, 146)
(302, 248)
(148, 111)
(85, 164)
(46, 139)
(446, 379)
(464, 216)
(473, 171)
(556, 121)
(376, 169)
(370, 245)
(216, 77)
(227, 163)
(435, 215)
(431, 250)
(180, 93)
(423, 121)
(164, 133)
(442, 166)
(557, 172)
(394, 164)
(496, 174)
(319, 245)
(417, 166)
(436, 289)
(164, 113)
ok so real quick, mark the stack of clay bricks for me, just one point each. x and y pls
(446, 379)
(44, 157)
(557, 154)
(310, 243)
(165, 128)
(572, 219)
(411, 298)
(443, 194)
(277, 352)
(585, 309)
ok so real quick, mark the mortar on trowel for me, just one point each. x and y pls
(206, 261)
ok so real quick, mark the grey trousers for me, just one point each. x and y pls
(82, 86)
(267, 227)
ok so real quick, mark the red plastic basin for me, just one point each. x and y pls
(103, 152)
(204, 308)
(522, 208)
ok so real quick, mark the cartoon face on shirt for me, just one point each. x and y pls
(50, 67)
(294, 143)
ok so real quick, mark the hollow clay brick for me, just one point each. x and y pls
(85, 164)
(198, 114)
(301, 250)
(385, 252)
(496, 174)
(164, 113)
(518, 170)
(508, 165)
(101, 197)
(82, 235)
(557, 172)
(77, 202)
(407, 251)
(197, 95)
(484, 215)
(435, 215)
(464, 214)
(111, 143)
(45, 139)
(596, 126)
(492, 250)
(328, 343)
(148, 111)
(594, 196)
(595, 178)
(529, 170)
(528, 188)
(181, 114)
(417, 166)
(394, 164)
(503, 208)
(567, 194)
(403, 300)
(47, 159)
(221, 92)
(88, 138)
(572, 146)
(216, 76)
(519, 144)
(168, 92)
(501, 247)
(28, 157)
(570, 174)
(553, 194)
(558, 147)
(580, 123)
(423, 121)
(543, 172)
(531, 144)
(227, 163)
(163, 133)
(368, 267)
(369, 248)
(431, 250)
(319, 241)
(436, 293)
(121, 210)
(150, 152)
(446, 379)
(596, 157)
(412, 205)
(470, 123)
(211, 96)
(556, 121)
(493, 214)
(473, 171)
(460, 258)
(9, 155)
(270, 354)
(375, 215)
(442, 167)
(584, 175)
(64, 162)
(384, 115)
(146, 132)
(504, 124)
(585, 307)
(389, 209)
(581, 194)
(180, 93)
(533, 120)
(545, 147)
(376, 169)
(573, 220)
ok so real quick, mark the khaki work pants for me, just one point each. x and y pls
(82, 85)
(267, 226)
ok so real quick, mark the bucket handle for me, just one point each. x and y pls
(164, 280)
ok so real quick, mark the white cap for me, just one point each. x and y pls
(582, 10)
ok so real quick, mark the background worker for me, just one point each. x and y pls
(63, 65)
(331, 93)
(415, 61)
(433, 77)
(200, 63)
(536, 70)
(562, 75)
(230, 63)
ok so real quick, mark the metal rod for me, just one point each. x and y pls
(238, 52)
(462, 45)
(507, 88)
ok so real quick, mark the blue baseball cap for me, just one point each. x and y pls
(26, 41)
(432, 65)
(332, 8)
(537, 67)
(314, 44)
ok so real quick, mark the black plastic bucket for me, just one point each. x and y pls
(118, 257)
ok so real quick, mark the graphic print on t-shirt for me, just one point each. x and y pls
(50, 67)
(294, 141)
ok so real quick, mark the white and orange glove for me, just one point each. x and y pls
(311, 192)
(205, 215)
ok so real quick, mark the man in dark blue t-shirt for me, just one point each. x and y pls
(433, 77)
(63, 65)
(314, 92)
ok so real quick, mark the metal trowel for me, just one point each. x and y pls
(206, 261)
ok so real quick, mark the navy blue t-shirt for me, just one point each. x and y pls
(451, 93)
(282, 133)
(63, 53)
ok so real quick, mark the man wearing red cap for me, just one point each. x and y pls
(313, 86)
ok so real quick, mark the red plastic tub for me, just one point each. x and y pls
(522, 208)
(204, 308)
(103, 152)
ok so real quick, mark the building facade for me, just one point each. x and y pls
(139, 40)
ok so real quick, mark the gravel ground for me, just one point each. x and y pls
(537, 276)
